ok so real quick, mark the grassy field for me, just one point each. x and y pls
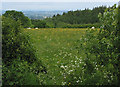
(58, 51)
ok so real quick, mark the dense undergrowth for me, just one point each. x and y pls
(19, 60)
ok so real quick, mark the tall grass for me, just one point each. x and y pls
(57, 49)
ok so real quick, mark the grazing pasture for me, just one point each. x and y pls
(59, 52)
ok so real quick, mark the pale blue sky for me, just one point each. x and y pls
(59, 0)
(52, 5)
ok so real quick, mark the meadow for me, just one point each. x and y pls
(58, 49)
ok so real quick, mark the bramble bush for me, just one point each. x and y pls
(19, 73)
(101, 47)
(104, 47)
(16, 45)
(20, 63)
(15, 15)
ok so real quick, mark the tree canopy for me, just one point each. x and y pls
(15, 15)
(85, 16)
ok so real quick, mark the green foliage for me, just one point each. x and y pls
(110, 36)
(74, 19)
(101, 65)
(14, 48)
(39, 24)
(19, 73)
(97, 25)
(97, 62)
(0, 50)
(20, 63)
(15, 15)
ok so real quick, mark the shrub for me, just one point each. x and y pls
(39, 24)
(101, 63)
(20, 63)
(104, 47)
(16, 45)
(15, 15)
(18, 73)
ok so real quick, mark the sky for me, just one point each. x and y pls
(54, 4)
(60, 0)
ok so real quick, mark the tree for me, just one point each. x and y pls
(39, 23)
(54, 16)
(63, 13)
(20, 62)
(80, 17)
(15, 15)
(58, 14)
(118, 41)
(102, 50)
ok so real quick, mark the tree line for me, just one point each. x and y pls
(72, 19)
(77, 18)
